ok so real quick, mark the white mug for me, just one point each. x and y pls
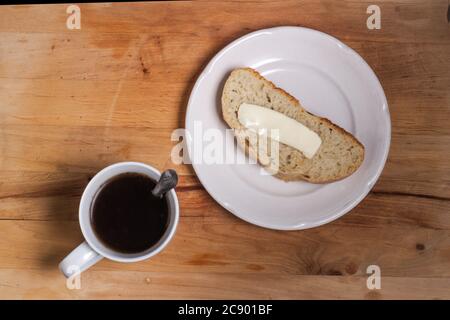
(93, 250)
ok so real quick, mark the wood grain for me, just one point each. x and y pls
(72, 102)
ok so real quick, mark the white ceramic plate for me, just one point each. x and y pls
(330, 80)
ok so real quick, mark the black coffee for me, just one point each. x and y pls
(126, 216)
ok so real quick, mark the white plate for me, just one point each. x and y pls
(330, 80)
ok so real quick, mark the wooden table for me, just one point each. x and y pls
(75, 101)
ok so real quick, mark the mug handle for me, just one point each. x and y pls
(80, 259)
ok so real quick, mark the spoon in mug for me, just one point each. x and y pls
(167, 181)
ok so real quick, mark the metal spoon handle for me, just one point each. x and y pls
(167, 181)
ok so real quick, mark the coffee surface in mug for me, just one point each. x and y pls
(125, 215)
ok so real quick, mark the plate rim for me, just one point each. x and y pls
(368, 187)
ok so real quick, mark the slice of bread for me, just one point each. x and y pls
(339, 155)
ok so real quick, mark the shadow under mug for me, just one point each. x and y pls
(92, 249)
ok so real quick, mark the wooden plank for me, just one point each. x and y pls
(88, 149)
(429, 176)
(35, 148)
(89, 96)
(91, 103)
(63, 192)
(221, 247)
(102, 56)
(25, 284)
(402, 21)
